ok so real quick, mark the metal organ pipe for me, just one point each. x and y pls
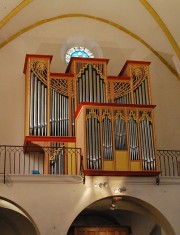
(86, 77)
(125, 99)
(35, 106)
(107, 138)
(90, 77)
(93, 141)
(72, 115)
(91, 87)
(38, 96)
(59, 114)
(42, 121)
(133, 139)
(52, 112)
(39, 108)
(141, 95)
(120, 134)
(32, 104)
(45, 111)
(147, 143)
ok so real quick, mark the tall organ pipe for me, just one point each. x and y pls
(93, 142)
(59, 114)
(141, 95)
(147, 143)
(91, 87)
(38, 96)
(133, 139)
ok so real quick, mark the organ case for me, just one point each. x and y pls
(111, 117)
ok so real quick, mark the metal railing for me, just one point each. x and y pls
(21, 160)
(169, 162)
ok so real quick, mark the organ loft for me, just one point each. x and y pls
(109, 118)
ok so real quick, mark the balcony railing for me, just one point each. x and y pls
(169, 162)
(20, 160)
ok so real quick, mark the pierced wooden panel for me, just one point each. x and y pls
(83, 68)
(121, 89)
(39, 68)
(80, 66)
(60, 85)
(139, 74)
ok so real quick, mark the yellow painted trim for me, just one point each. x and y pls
(162, 25)
(115, 25)
(14, 12)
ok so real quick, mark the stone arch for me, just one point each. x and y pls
(99, 214)
(14, 219)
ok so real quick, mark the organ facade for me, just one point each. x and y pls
(109, 118)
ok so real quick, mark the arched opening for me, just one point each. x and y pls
(14, 220)
(132, 214)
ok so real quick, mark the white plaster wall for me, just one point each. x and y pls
(166, 95)
(53, 204)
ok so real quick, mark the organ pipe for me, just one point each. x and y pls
(107, 136)
(93, 140)
(91, 86)
(147, 142)
(133, 136)
(38, 96)
(120, 131)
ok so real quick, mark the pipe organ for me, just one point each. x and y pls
(110, 117)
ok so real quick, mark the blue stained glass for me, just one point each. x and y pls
(78, 52)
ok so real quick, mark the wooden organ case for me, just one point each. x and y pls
(109, 117)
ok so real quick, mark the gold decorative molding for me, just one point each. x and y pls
(14, 12)
(39, 67)
(113, 24)
(93, 114)
(162, 25)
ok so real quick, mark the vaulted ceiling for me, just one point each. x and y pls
(132, 29)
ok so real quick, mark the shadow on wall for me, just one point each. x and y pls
(14, 221)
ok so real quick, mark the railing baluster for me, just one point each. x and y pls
(5, 166)
(19, 156)
(169, 161)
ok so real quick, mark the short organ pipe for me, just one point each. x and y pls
(59, 114)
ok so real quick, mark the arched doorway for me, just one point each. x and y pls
(132, 214)
(14, 220)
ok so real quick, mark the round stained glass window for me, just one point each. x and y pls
(78, 52)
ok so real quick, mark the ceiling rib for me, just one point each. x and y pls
(113, 24)
(162, 25)
(18, 8)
